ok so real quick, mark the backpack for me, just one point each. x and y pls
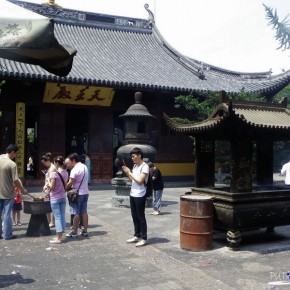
(148, 184)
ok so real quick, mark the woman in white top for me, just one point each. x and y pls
(138, 176)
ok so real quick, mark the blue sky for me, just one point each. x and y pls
(232, 34)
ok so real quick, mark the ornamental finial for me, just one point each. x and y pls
(151, 15)
(51, 3)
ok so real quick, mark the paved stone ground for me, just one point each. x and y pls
(105, 261)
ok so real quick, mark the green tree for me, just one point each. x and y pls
(282, 27)
(283, 93)
(30, 135)
(283, 36)
(202, 104)
(1, 84)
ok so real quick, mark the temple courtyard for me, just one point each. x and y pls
(105, 261)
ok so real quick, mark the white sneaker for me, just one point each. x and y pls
(133, 240)
(141, 243)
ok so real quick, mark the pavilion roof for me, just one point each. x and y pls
(123, 52)
(238, 118)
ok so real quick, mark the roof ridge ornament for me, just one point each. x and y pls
(151, 15)
(223, 97)
(138, 97)
(284, 102)
(51, 3)
(200, 71)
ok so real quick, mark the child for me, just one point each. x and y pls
(16, 208)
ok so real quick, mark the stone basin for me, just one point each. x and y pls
(36, 207)
(38, 223)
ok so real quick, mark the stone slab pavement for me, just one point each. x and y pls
(106, 261)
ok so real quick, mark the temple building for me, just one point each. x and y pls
(116, 57)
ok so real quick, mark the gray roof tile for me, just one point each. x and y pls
(111, 54)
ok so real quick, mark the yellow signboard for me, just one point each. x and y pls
(78, 95)
(20, 137)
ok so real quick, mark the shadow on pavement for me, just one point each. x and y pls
(12, 279)
(153, 241)
(97, 233)
(258, 241)
(92, 226)
(167, 203)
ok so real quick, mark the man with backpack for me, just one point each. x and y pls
(139, 177)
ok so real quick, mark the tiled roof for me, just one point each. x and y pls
(255, 115)
(130, 53)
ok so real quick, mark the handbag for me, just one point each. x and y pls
(73, 193)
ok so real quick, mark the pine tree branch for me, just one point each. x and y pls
(282, 27)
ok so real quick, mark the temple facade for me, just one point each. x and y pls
(116, 57)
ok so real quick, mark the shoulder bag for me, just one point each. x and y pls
(73, 193)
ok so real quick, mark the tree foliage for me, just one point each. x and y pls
(283, 93)
(2, 83)
(282, 27)
(283, 36)
(203, 103)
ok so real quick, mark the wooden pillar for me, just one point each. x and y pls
(264, 167)
(101, 144)
(204, 162)
(51, 133)
(241, 165)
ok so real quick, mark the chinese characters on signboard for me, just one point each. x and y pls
(20, 137)
(78, 94)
